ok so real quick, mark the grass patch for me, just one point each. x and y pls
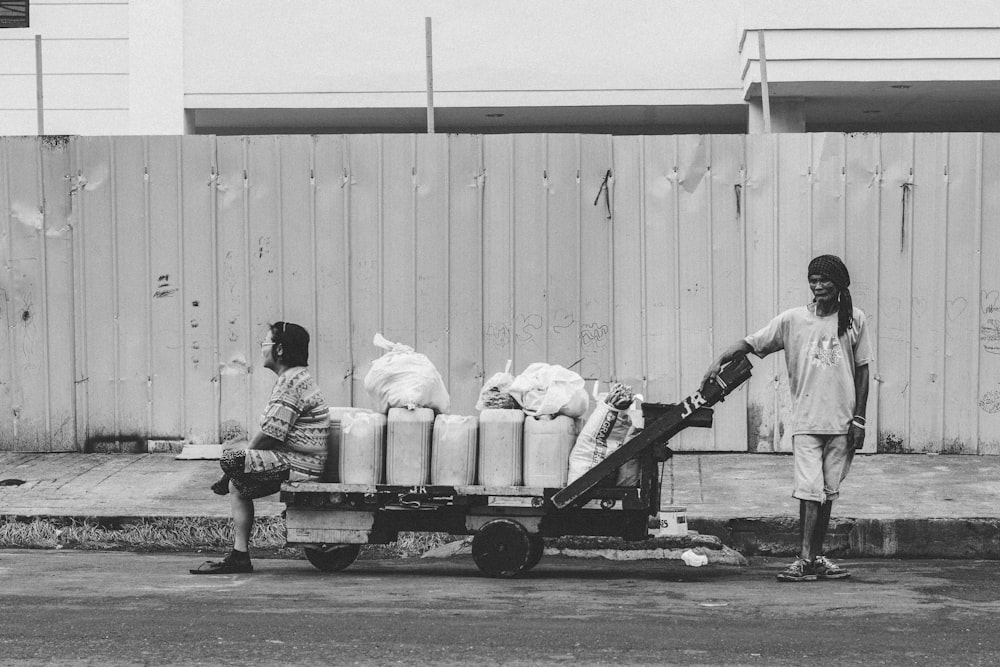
(179, 534)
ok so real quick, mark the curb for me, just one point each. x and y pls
(949, 538)
(974, 538)
(193, 534)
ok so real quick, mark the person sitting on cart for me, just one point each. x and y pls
(827, 352)
(291, 443)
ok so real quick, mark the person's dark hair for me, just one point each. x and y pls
(294, 342)
(833, 268)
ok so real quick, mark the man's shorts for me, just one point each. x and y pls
(821, 464)
(256, 484)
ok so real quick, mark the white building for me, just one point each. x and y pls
(643, 66)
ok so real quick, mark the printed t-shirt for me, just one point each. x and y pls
(820, 365)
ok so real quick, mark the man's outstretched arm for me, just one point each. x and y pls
(740, 348)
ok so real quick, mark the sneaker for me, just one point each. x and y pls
(827, 569)
(800, 570)
(237, 562)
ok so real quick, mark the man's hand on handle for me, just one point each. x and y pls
(712, 373)
(735, 352)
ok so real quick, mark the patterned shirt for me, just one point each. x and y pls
(297, 415)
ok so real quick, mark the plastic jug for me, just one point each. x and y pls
(547, 443)
(408, 446)
(453, 450)
(332, 471)
(362, 447)
(500, 447)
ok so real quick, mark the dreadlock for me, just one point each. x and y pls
(833, 268)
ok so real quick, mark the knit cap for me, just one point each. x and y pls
(833, 268)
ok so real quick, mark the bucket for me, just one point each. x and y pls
(672, 522)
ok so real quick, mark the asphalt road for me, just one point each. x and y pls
(113, 608)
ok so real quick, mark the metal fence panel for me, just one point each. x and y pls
(986, 304)
(140, 272)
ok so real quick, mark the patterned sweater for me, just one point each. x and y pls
(297, 415)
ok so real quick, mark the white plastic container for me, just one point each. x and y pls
(362, 447)
(453, 450)
(501, 435)
(332, 472)
(547, 443)
(408, 446)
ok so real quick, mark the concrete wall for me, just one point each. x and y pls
(156, 68)
(143, 67)
(85, 58)
(358, 54)
(889, 66)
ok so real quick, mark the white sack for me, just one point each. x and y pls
(604, 432)
(404, 378)
(548, 389)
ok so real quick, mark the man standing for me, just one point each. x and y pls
(827, 353)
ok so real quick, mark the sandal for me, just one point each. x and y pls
(231, 564)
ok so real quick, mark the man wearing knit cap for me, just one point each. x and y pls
(827, 353)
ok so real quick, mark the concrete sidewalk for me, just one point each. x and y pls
(891, 505)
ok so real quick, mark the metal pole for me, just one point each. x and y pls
(430, 76)
(38, 85)
(765, 95)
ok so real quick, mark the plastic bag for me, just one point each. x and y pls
(403, 378)
(694, 558)
(607, 429)
(548, 389)
(495, 394)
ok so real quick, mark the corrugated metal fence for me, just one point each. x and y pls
(140, 272)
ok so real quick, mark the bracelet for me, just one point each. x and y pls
(860, 418)
(855, 423)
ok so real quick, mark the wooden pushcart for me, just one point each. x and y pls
(509, 524)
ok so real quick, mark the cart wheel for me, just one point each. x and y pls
(332, 557)
(537, 548)
(501, 548)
